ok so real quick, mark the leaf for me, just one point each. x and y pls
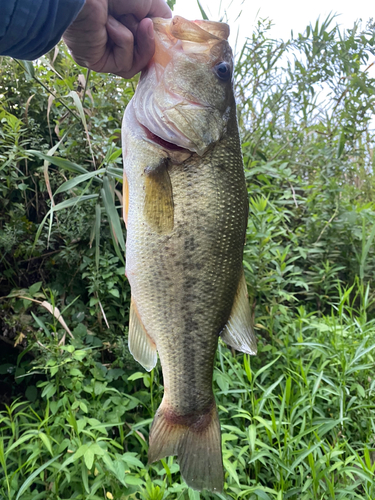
(193, 495)
(33, 289)
(130, 458)
(204, 15)
(26, 437)
(30, 480)
(27, 108)
(73, 94)
(89, 457)
(232, 470)
(71, 183)
(56, 313)
(46, 442)
(112, 213)
(64, 204)
(59, 162)
(19, 339)
(303, 455)
(365, 252)
(98, 220)
(29, 70)
(135, 376)
(116, 172)
(341, 144)
(114, 156)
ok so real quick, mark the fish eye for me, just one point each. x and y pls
(223, 71)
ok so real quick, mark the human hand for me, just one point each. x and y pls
(115, 36)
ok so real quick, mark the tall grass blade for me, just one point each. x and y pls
(29, 481)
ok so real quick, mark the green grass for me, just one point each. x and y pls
(297, 420)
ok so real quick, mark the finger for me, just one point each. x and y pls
(130, 22)
(144, 47)
(120, 59)
(139, 8)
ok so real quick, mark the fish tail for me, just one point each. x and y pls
(196, 440)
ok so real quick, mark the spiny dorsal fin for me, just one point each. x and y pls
(159, 209)
(238, 332)
(141, 345)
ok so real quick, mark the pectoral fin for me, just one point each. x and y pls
(159, 208)
(238, 332)
(141, 345)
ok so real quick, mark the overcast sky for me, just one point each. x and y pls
(286, 15)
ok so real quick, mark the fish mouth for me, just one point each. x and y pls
(158, 141)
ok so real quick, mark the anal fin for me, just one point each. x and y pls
(141, 345)
(238, 332)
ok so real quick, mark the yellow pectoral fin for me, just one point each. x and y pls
(238, 332)
(159, 209)
(141, 345)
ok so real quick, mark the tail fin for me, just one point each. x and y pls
(196, 442)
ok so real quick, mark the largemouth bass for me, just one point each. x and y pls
(186, 208)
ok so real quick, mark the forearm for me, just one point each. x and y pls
(30, 28)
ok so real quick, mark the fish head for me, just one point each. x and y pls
(185, 95)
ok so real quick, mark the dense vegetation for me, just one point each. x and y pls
(298, 419)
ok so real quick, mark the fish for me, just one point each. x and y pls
(185, 207)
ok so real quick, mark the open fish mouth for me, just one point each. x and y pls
(151, 137)
(166, 107)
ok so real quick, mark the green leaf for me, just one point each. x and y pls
(33, 289)
(73, 94)
(304, 454)
(46, 442)
(193, 495)
(89, 457)
(26, 437)
(112, 213)
(30, 480)
(59, 162)
(131, 459)
(116, 172)
(71, 183)
(204, 15)
(114, 156)
(28, 67)
(135, 376)
(341, 144)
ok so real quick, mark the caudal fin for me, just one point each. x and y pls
(197, 443)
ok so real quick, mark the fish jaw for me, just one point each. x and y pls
(179, 97)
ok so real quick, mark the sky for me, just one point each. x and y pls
(286, 15)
